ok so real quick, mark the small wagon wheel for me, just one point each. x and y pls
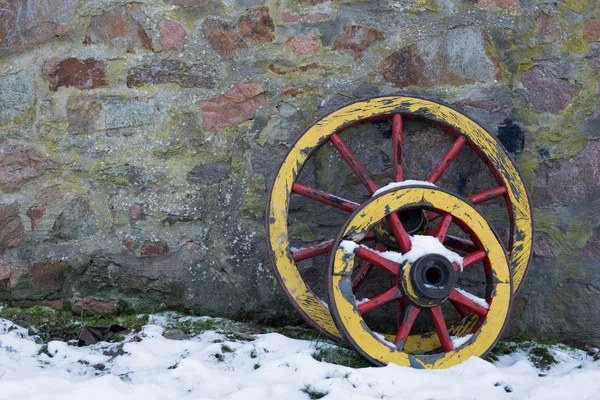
(427, 280)
(327, 129)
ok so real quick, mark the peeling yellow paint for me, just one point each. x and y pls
(350, 321)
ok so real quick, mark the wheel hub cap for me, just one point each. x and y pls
(428, 281)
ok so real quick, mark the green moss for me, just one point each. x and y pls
(336, 354)
(48, 324)
(575, 5)
(568, 232)
(195, 326)
(542, 358)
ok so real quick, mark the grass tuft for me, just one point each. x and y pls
(313, 393)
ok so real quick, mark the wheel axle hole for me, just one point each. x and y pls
(433, 276)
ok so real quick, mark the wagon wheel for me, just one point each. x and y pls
(468, 134)
(428, 280)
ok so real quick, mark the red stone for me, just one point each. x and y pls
(128, 243)
(118, 28)
(172, 34)
(304, 44)
(21, 166)
(354, 39)
(137, 212)
(234, 107)
(290, 91)
(191, 246)
(257, 27)
(9, 274)
(546, 28)
(288, 18)
(404, 68)
(35, 214)
(511, 5)
(488, 105)
(25, 23)
(82, 74)
(46, 275)
(547, 93)
(222, 37)
(90, 306)
(55, 304)
(155, 248)
(12, 232)
(591, 30)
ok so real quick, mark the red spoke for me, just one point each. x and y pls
(313, 251)
(410, 315)
(468, 303)
(473, 258)
(447, 160)
(365, 269)
(321, 248)
(436, 315)
(380, 300)
(456, 242)
(324, 197)
(487, 195)
(369, 255)
(462, 310)
(399, 231)
(442, 230)
(353, 163)
(398, 147)
(398, 303)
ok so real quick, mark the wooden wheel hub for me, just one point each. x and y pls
(428, 281)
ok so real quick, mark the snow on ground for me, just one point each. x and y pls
(148, 366)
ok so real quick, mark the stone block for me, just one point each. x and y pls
(172, 71)
(120, 29)
(82, 74)
(25, 23)
(47, 275)
(234, 107)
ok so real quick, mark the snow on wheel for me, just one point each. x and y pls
(460, 316)
(334, 131)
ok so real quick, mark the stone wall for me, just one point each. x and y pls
(138, 138)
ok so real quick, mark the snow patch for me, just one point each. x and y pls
(421, 245)
(458, 341)
(271, 367)
(475, 299)
(395, 185)
(348, 247)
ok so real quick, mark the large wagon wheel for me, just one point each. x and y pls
(427, 279)
(469, 134)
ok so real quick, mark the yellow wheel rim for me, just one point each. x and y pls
(350, 322)
(312, 309)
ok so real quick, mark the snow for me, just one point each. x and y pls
(458, 341)
(395, 185)
(476, 299)
(421, 245)
(362, 301)
(348, 246)
(271, 367)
